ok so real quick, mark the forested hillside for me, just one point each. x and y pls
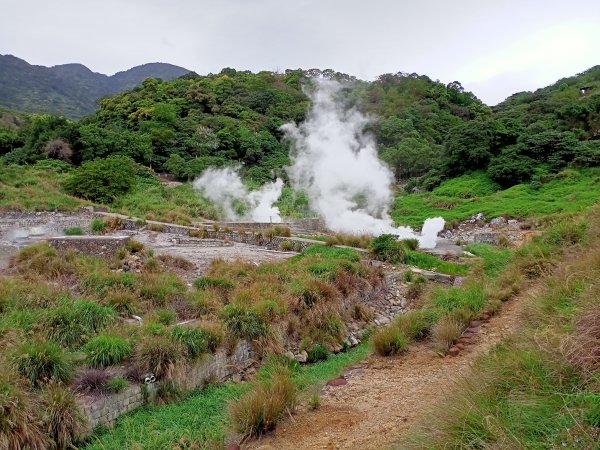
(426, 131)
(71, 90)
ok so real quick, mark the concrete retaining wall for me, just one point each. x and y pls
(211, 367)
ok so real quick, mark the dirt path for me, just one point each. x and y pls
(385, 397)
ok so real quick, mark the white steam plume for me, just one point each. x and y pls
(225, 188)
(336, 163)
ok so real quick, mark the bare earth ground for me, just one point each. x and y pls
(386, 397)
(162, 243)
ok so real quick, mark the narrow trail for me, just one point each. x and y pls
(387, 397)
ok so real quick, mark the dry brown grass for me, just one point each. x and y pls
(350, 240)
(260, 409)
(161, 355)
(63, 419)
(582, 347)
(446, 332)
(20, 424)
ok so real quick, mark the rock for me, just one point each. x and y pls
(353, 341)
(454, 351)
(477, 217)
(336, 348)
(302, 357)
(498, 221)
(289, 355)
(484, 237)
(485, 317)
(465, 340)
(340, 381)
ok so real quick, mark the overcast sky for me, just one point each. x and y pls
(493, 47)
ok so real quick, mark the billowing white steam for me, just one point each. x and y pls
(336, 163)
(225, 188)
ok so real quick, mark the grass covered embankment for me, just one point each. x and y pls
(501, 274)
(202, 418)
(541, 387)
(464, 196)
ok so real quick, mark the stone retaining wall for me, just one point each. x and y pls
(272, 243)
(211, 367)
(93, 245)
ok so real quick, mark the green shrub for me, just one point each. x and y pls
(106, 350)
(165, 316)
(98, 226)
(74, 231)
(117, 384)
(387, 248)
(102, 180)
(242, 321)
(317, 352)
(42, 361)
(206, 282)
(63, 419)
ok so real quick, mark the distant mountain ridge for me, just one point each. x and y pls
(71, 90)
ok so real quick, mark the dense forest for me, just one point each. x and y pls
(426, 131)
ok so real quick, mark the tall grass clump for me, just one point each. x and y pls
(42, 361)
(494, 259)
(106, 350)
(208, 282)
(243, 321)
(196, 340)
(160, 354)
(260, 409)
(395, 337)
(430, 262)
(74, 231)
(63, 419)
(74, 321)
(98, 226)
(20, 423)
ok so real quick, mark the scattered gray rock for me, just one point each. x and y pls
(301, 357)
(498, 221)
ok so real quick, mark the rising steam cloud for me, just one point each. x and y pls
(224, 187)
(336, 164)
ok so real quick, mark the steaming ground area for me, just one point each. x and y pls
(163, 243)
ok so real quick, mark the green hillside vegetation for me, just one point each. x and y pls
(427, 132)
(462, 197)
(71, 90)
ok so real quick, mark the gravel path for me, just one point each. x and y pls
(386, 398)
